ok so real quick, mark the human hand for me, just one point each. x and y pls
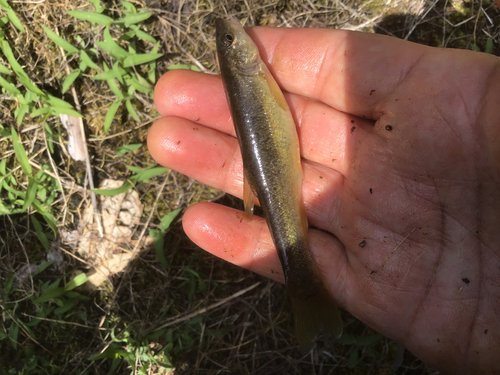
(401, 156)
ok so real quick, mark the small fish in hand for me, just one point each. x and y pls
(273, 172)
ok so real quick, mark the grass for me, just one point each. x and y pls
(174, 308)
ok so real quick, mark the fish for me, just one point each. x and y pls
(272, 172)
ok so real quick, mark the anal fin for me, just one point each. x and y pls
(248, 197)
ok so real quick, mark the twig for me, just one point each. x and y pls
(404, 239)
(27, 333)
(56, 177)
(63, 322)
(123, 132)
(208, 308)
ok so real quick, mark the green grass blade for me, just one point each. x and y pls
(60, 41)
(144, 36)
(30, 192)
(113, 85)
(40, 111)
(138, 59)
(489, 45)
(50, 137)
(159, 237)
(15, 20)
(70, 79)
(184, 66)
(150, 173)
(5, 70)
(119, 72)
(77, 281)
(8, 284)
(42, 267)
(100, 19)
(20, 112)
(127, 185)
(56, 102)
(132, 111)
(39, 232)
(30, 85)
(152, 65)
(50, 295)
(4, 5)
(114, 50)
(111, 115)
(64, 111)
(129, 6)
(3, 169)
(11, 89)
(110, 46)
(87, 60)
(13, 334)
(122, 150)
(97, 4)
(132, 19)
(167, 219)
(144, 87)
(104, 76)
(7, 51)
(20, 152)
(49, 218)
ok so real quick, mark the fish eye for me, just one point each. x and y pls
(227, 40)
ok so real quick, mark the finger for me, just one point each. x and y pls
(204, 154)
(214, 158)
(324, 133)
(195, 96)
(228, 234)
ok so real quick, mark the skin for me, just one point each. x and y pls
(401, 157)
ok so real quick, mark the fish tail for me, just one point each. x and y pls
(313, 315)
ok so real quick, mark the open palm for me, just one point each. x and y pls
(401, 156)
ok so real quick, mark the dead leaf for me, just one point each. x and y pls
(76, 140)
(112, 253)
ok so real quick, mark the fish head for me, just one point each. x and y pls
(235, 48)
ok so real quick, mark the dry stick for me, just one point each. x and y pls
(250, 13)
(208, 308)
(404, 239)
(27, 333)
(63, 322)
(477, 20)
(87, 158)
(414, 26)
(194, 60)
(123, 132)
(57, 177)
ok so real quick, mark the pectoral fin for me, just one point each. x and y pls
(248, 197)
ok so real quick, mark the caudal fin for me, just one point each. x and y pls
(314, 315)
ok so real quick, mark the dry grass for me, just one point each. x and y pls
(245, 334)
